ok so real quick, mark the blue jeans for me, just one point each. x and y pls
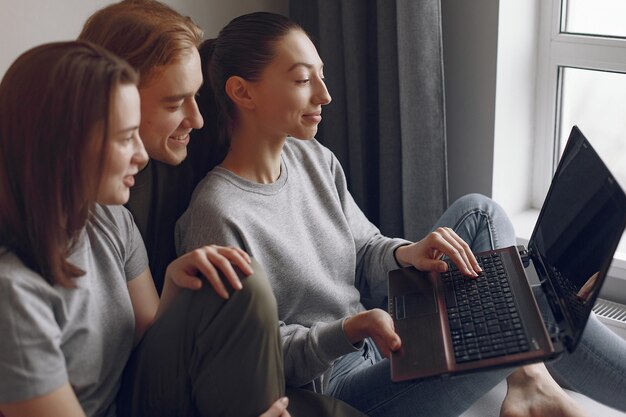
(597, 368)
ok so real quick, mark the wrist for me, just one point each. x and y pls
(170, 287)
(402, 255)
(354, 328)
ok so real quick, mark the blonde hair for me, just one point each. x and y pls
(146, 33)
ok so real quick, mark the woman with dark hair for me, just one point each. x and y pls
(282, 197)
(69, 148)
(76, 294)
(196, 347)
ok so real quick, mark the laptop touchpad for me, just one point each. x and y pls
(416, 304)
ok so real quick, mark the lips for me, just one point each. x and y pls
(180, 139)
(313, 117)
(129, 180)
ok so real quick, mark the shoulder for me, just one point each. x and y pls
(14, 272)
(219, 193)
(211, 214)
(313, 158)
(112, 218)
(310, 154)
(113, 223)
(20, 285)
(112, 232)
(213, 206)
(309, 148)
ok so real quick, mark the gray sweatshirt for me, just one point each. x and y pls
(316, 246)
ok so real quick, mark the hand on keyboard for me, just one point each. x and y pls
(426, 254)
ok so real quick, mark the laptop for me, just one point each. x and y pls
(451, 324)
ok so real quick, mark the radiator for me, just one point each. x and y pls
(612, 314)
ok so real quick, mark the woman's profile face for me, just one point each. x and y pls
(290, 94)
(124, 150)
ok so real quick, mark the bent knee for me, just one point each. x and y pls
(480, 203)
(256, 284)
(475, 200)
(257, 293)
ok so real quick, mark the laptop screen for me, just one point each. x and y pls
(579, 227)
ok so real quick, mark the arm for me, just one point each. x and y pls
(184, 273)
(374, 252)
(377, 254)
(145, 301)
(59, 403)
(309, 352)
(424, 255)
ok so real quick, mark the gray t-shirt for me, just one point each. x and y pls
(311, 238)
(50, 335)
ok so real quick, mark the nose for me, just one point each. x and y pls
(140, 156)
(193, 118)
(322, 95)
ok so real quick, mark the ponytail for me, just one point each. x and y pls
(214, 136)
(243, 48)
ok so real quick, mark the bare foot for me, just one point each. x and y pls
(532, 392)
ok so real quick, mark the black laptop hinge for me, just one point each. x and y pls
(523, 253)
(557, 323)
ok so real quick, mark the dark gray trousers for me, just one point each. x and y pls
(207, 356)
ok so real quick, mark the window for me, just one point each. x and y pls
(581, 80)
(594, 17)
(596, 102)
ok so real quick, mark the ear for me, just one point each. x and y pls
(238, 91)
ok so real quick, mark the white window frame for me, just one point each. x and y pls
(556, 49)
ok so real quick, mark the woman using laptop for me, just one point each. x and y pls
(76, 295)
(282, 197)
(211, 377)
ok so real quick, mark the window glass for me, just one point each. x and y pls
(594, 17)
(595, 101)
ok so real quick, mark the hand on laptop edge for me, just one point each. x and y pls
(376, 324)
(426, 254)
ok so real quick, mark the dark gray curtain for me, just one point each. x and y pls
(386, 124)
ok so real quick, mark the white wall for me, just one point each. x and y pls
(27, 23)
(515, 104)
(490, 65)
(470, 39)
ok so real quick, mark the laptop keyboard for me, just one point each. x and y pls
(484, 321)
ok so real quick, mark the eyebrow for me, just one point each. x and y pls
(128, 129)
(177, 97)
(304, 64)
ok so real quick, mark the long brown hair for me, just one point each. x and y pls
(55, 103)
(146, 33)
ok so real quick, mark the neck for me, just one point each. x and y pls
(254, 156)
